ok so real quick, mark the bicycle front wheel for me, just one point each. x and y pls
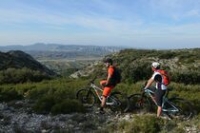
(185, 110)
(140, 104)
(86, 97)
(119, 102)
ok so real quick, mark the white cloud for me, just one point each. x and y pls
(100, 20)
(193, 13)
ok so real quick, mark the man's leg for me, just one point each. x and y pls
(159, 111)
(103, 103)
(159, 98)
(106, 93)
(103, 83)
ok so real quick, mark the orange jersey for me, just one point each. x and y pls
(111, 70)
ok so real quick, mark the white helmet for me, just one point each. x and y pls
(155, 64)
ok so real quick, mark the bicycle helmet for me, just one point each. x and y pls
(108, 60)
(155, 65)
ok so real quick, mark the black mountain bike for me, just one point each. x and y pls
(92, 94)
(174, 107)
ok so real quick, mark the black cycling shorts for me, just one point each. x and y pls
(159, 96)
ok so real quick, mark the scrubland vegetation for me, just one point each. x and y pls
(57, 96)
(49, 93)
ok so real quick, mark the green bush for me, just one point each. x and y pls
(44, 104)
(138, 124)
(9, 94)
(186, 77)
(167, 55)
(147, 124)
(55, 105)
(14, 76)
(67, 106)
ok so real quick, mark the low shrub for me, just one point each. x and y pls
(147, 124)
(139, 124)
(9, 95)
(55, 105)
(67, 106)
(44, 104)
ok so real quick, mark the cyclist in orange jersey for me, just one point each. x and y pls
(107, 84)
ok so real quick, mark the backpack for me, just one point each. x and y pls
(165, 76)
(117, 76)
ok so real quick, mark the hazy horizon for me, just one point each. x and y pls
(123, 47)
(151, 24)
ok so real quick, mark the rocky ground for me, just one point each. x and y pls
(19, 118)
(22, 120)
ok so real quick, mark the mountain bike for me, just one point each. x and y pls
(89, 96)
(173, 107)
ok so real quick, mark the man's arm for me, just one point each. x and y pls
(108, 79)
(150, 81)
(110, 72)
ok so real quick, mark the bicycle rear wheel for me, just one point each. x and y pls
(185, 110)
(86, 97)
(140, 104)
(120, 102)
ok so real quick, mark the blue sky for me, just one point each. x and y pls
(155, 24)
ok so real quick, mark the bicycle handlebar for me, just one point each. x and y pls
(148, 90)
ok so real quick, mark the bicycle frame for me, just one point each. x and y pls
(172, 108)
(97, 89)
(89, 95)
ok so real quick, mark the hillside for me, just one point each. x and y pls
(183, 65)
(18, 66)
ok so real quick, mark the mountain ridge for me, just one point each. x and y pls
(59, 51)
(18, 59)
(56, 47)
(18, 66)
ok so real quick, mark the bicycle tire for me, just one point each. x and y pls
(121, 102)
(86, 97)
(185, 109)
(138, 105)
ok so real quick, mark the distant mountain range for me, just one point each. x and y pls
(58, 47)
(55, 51)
